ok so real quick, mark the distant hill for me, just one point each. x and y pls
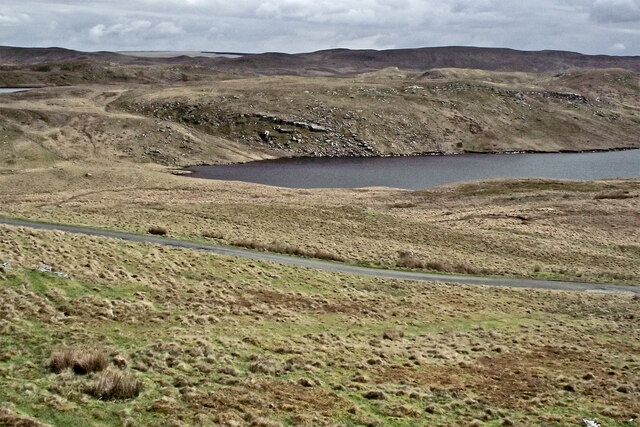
(40, 55)
(346, 61)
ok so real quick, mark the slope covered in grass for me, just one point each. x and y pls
(215, 340)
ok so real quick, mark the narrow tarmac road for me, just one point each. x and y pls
(332, 266)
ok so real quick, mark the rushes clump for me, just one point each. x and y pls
(290, 250)
(159, 231)
(114, 384)
(409, 261)
(81, 360)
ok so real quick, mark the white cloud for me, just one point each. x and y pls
(13, 19)
(618, 46)
(100, 31)
(167, 28)
(589, 26)
(96, 33)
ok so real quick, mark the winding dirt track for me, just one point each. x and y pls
(331, 266)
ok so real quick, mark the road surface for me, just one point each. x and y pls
(331, 266)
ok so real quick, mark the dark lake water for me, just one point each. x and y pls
(425, 171)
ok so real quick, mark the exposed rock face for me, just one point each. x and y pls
(449, 111)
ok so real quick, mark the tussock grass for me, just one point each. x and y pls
(226, 339)
(9, 418)
(80, 360)
(403, 205)
(212, 235)
(160, 231)
(114, 384)
(290, 250)
(409, 261)
(322, 254)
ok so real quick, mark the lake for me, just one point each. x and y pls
(13, 89)
(425, 171)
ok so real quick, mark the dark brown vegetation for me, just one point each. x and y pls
(290, 250)
(115, 384)
(346, 61)
(410, 261)
(81, 360)
(212, 235)
(157, 230)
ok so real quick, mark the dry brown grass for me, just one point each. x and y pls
(159, 231)
(566, 234)
(226, 339)
(410, 261)
(10, 419)
(212, 235)
(80, 360)
(115, 384)
(506, 228)
(290, 250)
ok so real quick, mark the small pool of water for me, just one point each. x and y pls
(425, 171)
(14, 89)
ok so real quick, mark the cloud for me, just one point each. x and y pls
(13, 19)
(616, 11)
(167, 28)
(133, 28)
(589, 26)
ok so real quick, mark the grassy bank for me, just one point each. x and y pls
(215, 340)
(585, 231)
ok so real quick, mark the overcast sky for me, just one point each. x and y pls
(587, 26)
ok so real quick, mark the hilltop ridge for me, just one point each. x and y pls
(347, 61)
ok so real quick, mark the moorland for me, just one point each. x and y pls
(114, 333)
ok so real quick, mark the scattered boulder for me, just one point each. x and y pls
(44, 268)
(265, 136)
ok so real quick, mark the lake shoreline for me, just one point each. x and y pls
(186, 169)
(418, 172)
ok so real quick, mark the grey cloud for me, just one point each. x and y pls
(616, 11)
(600, 26)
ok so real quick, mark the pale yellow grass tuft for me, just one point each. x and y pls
(81, 360)
(112, 384)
